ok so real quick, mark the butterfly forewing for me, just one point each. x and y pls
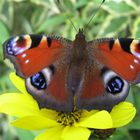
(31, 53)
(120, 55)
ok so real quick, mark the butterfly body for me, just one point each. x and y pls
(62, 74)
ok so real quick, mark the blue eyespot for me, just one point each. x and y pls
(9, 46)
(38, 81)
(115, 85)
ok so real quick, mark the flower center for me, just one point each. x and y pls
(68, 118)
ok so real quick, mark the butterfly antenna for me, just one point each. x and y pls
(93, 15)
(72, 23)
(68, 17)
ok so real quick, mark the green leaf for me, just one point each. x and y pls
(4, 33)
(8, 132)
(136, 28)
(118, 8)
(119, 135)
(130, 97)
(1, 5)
(137, 2)
(25, 135)
(68, 5)
(7, 13)
(136, 95)
(81, 3)
(115, 25)
(134, 125)
(38, 16)
(112, 26)
(52, 22)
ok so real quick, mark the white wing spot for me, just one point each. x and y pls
(131, 66)
(27, 61)
(24, 55)
(136, 61)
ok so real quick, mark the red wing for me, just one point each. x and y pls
(98, 93)
(36, 60)
(32, 53)
(55, 94)
(116, 63)
(120, 55)
(40, 60)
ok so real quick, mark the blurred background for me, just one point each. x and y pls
(116, 18)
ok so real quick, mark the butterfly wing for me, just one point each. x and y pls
(100, 83)
(32, 53)
(116, 65)
(41, 61)
(49, 88)
(122, 56)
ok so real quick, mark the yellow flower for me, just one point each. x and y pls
(60, 126)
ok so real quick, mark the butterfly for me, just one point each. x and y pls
(62, 74)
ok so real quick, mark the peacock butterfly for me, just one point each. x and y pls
(62, 74)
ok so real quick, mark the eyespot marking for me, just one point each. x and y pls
(21, 42)
(9, 46)
(17, 45)
(115, 85)
(135, 48)
(38, 81)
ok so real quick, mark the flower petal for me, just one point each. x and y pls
(86, 113)
(122, 114)
(19, 105)
(18, 82)
(49, 113)
(75, 133)
(99, 120)
(53, 133)
(34, 122)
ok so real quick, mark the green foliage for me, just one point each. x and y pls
(114, 19)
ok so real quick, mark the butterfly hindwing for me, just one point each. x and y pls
(102, 89)
(49, 88)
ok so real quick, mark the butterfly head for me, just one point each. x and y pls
(80, 35)
(80, 41)
(79, 45)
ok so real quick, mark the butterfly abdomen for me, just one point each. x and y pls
(75, 77)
